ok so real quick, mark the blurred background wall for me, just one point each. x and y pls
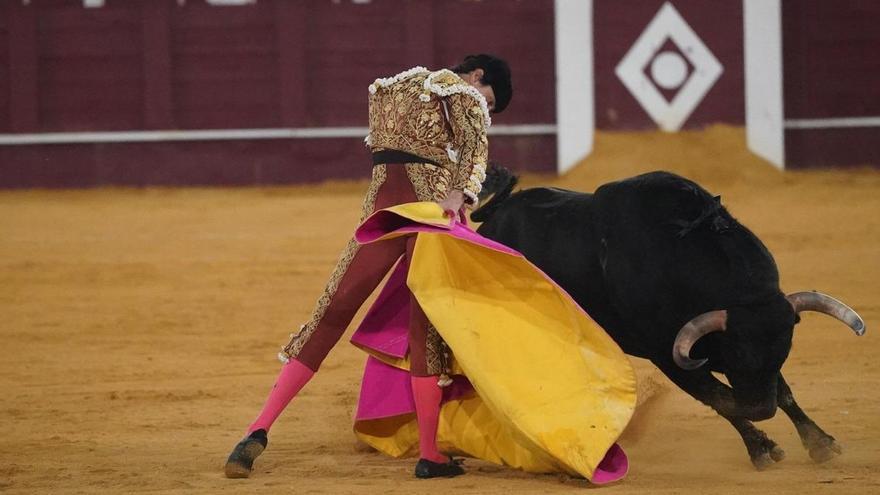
(180, 92)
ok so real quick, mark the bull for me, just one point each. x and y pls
(672, 277)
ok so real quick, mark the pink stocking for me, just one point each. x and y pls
(427, 395)
(293, 377)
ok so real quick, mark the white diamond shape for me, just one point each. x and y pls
(668, 24)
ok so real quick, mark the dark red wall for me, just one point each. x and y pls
(153, 64)
(224, 66)
(617, 26)
(4, 70)
(831, 60)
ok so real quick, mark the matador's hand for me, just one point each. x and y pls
(453, 204)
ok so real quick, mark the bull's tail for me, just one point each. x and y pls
(499, 183)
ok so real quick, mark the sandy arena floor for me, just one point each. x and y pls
(140, 328)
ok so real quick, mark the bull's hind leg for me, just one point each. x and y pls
(822, 446)
(704, 387)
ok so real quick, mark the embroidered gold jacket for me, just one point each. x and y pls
(435, 115)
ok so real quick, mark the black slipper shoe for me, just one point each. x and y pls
(429, 469)
(241, 460)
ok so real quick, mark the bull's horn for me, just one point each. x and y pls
(691, 332)
(816, 301)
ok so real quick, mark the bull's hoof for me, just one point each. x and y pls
(763, 461)
(777, 454)
(768, 457)
(824, 450)
(765, 453)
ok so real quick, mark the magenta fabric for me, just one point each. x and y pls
(386, 391)
(384, 222)
(385, 327)
(613, 467)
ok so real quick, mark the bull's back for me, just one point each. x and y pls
(542, 221)
(553, 229)
(674, 251)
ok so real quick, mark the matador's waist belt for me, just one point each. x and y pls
(397, 156)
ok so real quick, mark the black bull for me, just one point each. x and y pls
(673, 278)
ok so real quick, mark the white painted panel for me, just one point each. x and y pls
(763, 71)
(575, 111)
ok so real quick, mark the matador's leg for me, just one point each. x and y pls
(358, 272)
(426, 346)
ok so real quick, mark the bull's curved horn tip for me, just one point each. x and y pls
(856, 323)
(689, 364)
(859, 328)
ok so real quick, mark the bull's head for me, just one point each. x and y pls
(756, 345)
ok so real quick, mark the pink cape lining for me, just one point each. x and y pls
(385, 389)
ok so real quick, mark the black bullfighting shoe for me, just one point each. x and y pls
(430, 469)
(241, 460)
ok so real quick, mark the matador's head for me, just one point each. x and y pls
(491, 76)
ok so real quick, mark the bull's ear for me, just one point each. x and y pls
(718, 199)
(797, 318)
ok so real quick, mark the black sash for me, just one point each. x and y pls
(397, 156)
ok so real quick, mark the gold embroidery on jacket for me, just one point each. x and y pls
(430, 183)
(471, 142)
(406, 117)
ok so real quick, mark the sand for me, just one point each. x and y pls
(140, 328)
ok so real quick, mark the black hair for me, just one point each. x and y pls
(496, 73)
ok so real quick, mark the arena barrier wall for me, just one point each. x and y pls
(181, 92)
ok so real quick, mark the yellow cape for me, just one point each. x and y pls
(553, 390)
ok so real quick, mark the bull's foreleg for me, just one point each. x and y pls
(704, 387)
(821, 445)
(763, 451)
